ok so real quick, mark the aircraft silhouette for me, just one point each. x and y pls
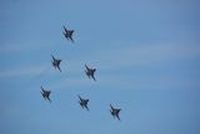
(83, 102)
(90, 72)
(56, 63)
(68, 34)
(115, 112)
(45, 94)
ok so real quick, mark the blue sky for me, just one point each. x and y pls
(147, 56)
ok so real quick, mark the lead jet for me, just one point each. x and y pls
(45, 94)
(68, 34)
(90, 72)
(83, 102)
(56, 63)
(115, 112)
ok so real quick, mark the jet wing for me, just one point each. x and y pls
(117, 115)
(59, 68)
(71, 39)
(93, 77)
(111, 107)
(65, 29)
(80, 98)
(87, 67)
(42, 94)
(53, 57)
(42, 89)
(49, 99)
(86, 107)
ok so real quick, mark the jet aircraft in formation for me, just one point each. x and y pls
(90, 72)
(83, 102)
(68, 34)
(115, 112)
(45, 94)
(56, 63)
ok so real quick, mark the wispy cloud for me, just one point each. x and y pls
(144, 55)
(110, 61)
(124, 82)
(14, 48)
(24, 71)
(116, 59)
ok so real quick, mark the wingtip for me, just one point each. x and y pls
(79, 96)
(111, 106)
(50, 101)
(52, 56)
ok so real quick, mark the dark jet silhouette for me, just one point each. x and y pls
(115, 112)
(56, 63)
(83, 102)
(46, 94)
(68, 34)
(90, 72)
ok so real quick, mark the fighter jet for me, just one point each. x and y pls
(68, 33)
(115, 112)
(90, 72)
(45, 94)
(56, 63)
(83, 102)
